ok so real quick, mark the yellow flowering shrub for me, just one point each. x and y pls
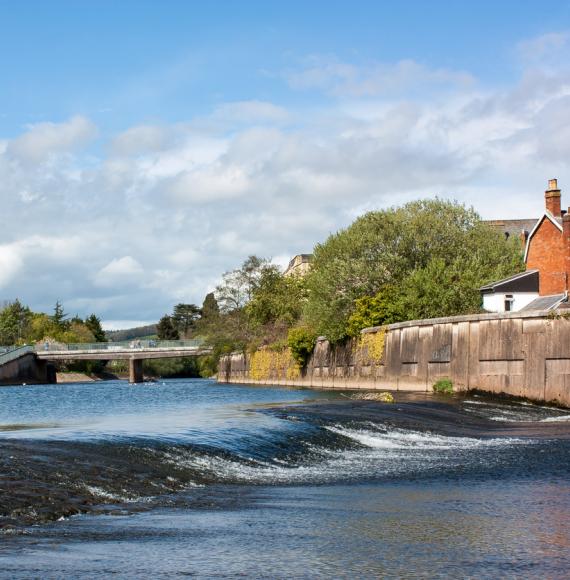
(260, 364)
(371, 345)
(280, 363)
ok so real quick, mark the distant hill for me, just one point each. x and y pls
(148, 331)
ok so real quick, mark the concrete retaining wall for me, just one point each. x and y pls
(26, 369)
(520, 354)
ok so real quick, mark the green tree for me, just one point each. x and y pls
(59, 317)
(15, 322)
(166, 330)
(276, 298)
(238, 285)
(42, 326)
(184, 318)
(93, 323)
(74, 333)
(382, 249)
(233, 294)
(210, 308)
(209, 322)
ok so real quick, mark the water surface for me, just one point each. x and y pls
(187, 477)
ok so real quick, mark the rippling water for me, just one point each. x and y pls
(187, 477)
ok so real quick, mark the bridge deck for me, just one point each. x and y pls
(121, 353)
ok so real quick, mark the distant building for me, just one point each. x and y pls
(299, 265)
(518, 228)
(544, 284)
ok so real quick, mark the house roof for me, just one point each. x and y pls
(546, 302)
(523, 282)
(512, 227)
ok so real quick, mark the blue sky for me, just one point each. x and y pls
(146, 147)
(126, 62)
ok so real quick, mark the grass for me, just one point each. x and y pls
(443, 386)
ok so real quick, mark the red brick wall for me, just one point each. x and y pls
(547, 253)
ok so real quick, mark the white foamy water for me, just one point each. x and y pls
(515, 411)
(389, 453)
(124, 498)
(556, 419)
(403, 439)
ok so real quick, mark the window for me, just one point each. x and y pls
(509, 302)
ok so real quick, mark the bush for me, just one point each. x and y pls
(301, 341)
(443, 386)
(373, 311)
(427, 258)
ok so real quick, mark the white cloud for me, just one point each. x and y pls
(140, 140)
(118, 272)
(542, 49)
(191, 200)
(10, 263)
(210, 184)
(47, 139)
(372, 79)
(251, 112)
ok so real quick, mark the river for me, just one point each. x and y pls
(192, 478)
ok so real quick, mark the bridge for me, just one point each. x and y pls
(18, 360)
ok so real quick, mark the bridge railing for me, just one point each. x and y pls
(10, 353)
(115, 346)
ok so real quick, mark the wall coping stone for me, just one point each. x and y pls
(463, 318)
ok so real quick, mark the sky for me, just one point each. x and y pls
(148, 147)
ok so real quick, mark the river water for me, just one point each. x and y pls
(192, 478)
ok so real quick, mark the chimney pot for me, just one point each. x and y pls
(552, 184)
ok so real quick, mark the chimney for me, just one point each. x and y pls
(552, 198)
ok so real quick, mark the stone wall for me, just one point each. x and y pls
(520, 354)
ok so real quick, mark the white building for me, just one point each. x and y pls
(519, 292)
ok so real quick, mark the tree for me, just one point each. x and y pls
(93, 323)
(14, 323)
(166, 330)
(185, 317)
(76, 332)
(277, 298)
(59, 317)
(384, 249)
(238, 285)
(210, 308)
(236, 290)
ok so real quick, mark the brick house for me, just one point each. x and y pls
(544, 284)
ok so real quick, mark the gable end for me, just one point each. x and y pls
(547, 215)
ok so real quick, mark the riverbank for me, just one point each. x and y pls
(76, 378)
(521, 354)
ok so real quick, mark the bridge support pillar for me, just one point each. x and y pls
(135, 370)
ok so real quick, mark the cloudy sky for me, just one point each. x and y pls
(147, 147)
